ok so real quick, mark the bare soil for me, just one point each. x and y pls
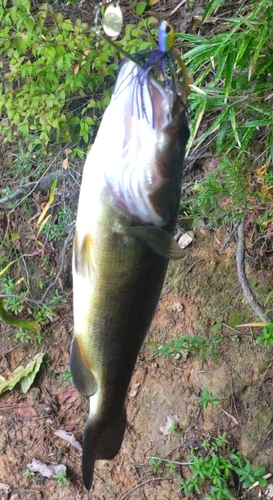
(240, 375)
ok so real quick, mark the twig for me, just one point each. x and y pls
(230, 416)
(192, 265)
(145, 482)
(260, 445)
(172, 461)
(42, 184)
(243, 279)
(226, 242)
(176, 8)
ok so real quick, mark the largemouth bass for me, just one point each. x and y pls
(127, 213)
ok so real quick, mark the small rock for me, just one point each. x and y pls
(5, 488)
(186, 239)
(177, 307)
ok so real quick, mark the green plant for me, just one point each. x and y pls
(9, 287)
(245, 471)
(23, 335)
(67, 375)
(266, 338)
(207, 398)
(54, 82)
(214, 470)
(232, 83)
(61, 478)
(171, 466)
(228, 65)
(155, 465)
(193, 344)
(173, 428)
(29, 473)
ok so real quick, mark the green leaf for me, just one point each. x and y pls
(212, 6)
(263, 33)
(141, 6)
(24, 375)
(31, 326)
(230, 65)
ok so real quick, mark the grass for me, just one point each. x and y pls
(212, 469)
(232, 70)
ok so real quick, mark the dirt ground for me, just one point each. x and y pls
(194, 299)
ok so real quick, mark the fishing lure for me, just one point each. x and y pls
(164, 61)
(112, 18)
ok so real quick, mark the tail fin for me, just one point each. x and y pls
(101, 442)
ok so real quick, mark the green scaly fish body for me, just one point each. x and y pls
(127, 213)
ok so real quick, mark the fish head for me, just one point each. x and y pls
(148, 145)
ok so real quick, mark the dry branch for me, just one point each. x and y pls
(42, 184)
(240, 258)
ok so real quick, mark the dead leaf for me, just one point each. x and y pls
(69, 437)
(76, 69)
(24, 375)
(26, 411)
(65, 163)
(134, 390)
(48, 204)
(15, 496)
(69, 397)
(172, 421)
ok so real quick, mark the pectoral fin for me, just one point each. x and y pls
(83, 260)
(159, 240)
(81, 370)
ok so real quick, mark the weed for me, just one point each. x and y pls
(193, 344)
(9, 287)
(29, 473)
(266, 338)
(61, 478)
(216, 470)
(170, 465)
(155, 465)
(67, 375)
(208, 399)
(23, 335)
(232, 71)
(173, 428)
